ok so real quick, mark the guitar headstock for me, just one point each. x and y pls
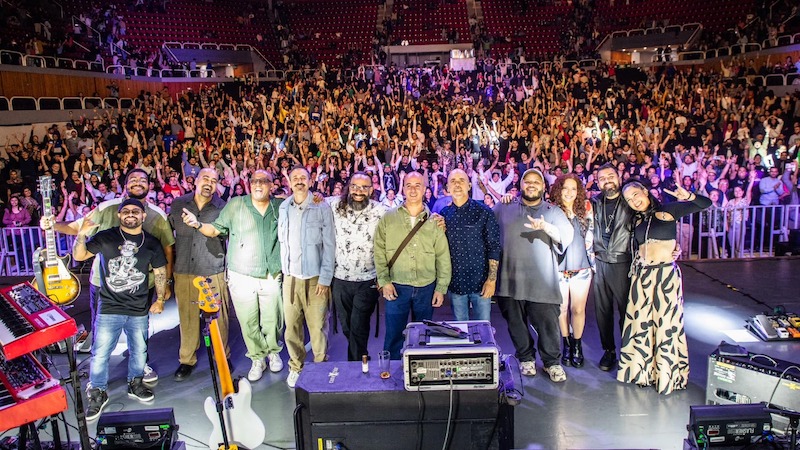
(46, 185)
(206, 299)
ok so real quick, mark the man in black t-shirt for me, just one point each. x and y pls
(126, 253)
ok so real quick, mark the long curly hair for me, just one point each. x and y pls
(579, 206)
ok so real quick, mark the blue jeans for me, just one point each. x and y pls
(481, 307)
(409, 299)
(107, 328)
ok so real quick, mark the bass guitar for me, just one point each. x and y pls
(236, 417)
(55, 280)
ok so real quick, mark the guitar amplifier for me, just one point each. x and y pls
(143, 429)
(753, 378)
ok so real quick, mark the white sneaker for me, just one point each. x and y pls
(291, 380)
(256, 370)
(275, 362)
(528, 368)
(150, 375)
(556, 372)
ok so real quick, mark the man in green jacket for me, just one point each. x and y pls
(418, 279)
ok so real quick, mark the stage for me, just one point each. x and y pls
(590, 410)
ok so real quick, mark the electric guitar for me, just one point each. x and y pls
(59, 284)
(241, 423)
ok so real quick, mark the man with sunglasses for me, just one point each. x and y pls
(354, 290)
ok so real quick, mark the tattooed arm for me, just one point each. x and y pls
(160, 274)
(491, 280)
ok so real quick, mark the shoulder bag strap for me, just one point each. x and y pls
(406, 241)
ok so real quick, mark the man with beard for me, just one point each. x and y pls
(198, 255)
(308, 252)
(612, 222)
(254, 268)
(355, 218)
(125, 255)
(105, 216)
(416, 276)
(474, 239)
(533, 233)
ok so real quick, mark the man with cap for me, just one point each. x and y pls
(533, 233)
(125, 255)
(104, 217)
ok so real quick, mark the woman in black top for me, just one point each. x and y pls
(654, 350)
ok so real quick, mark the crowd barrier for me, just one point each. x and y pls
(751, 232)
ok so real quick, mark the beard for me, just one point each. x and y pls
(357, 205)
(532, 198)
(611, 190)
(138, 196)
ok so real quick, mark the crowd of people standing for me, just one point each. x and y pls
(255, 162)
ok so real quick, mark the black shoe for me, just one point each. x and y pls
(566, 351)
(577, 352)
(97, 401)
(138, 390)
(183, 372)
(609, 360)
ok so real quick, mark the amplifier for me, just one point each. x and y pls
(753, 379)
(143, 429)
(435, 362)
(722, 425)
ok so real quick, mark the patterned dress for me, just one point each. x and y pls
(654, 350)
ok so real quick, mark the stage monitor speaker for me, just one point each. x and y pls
(338, 405)
(142, 429)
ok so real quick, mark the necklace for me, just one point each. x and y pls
(127, 240)
(608, 219)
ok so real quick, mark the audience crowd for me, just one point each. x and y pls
(687, 127)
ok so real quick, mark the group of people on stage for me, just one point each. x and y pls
(282, 262)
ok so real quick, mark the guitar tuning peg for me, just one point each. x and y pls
(208, 280)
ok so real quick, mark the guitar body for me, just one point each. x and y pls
(61, 286)
(55, 278)
(242, 423)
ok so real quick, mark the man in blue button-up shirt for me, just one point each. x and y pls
(474, 238)
(308, 250)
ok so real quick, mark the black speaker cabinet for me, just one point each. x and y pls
(338, 404)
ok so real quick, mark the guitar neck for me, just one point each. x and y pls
(51, 256)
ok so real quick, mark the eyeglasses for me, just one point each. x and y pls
(359, 188)
(130, 212)
(258, 181)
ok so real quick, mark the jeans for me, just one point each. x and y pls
(417, 300)
(108, 328)
(481, 307)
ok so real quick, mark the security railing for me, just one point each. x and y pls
(19, 244)
(749, 232)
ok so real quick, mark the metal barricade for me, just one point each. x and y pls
(18, 245)
(749, 232)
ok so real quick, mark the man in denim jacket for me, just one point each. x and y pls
(308, 244)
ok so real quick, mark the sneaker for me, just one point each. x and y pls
(291, 380)
(150, 375)
(528, 368)
(608, 361)
(556, 372)
(97, 401)
(275, 362)
(138, 390)
(256, 370)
